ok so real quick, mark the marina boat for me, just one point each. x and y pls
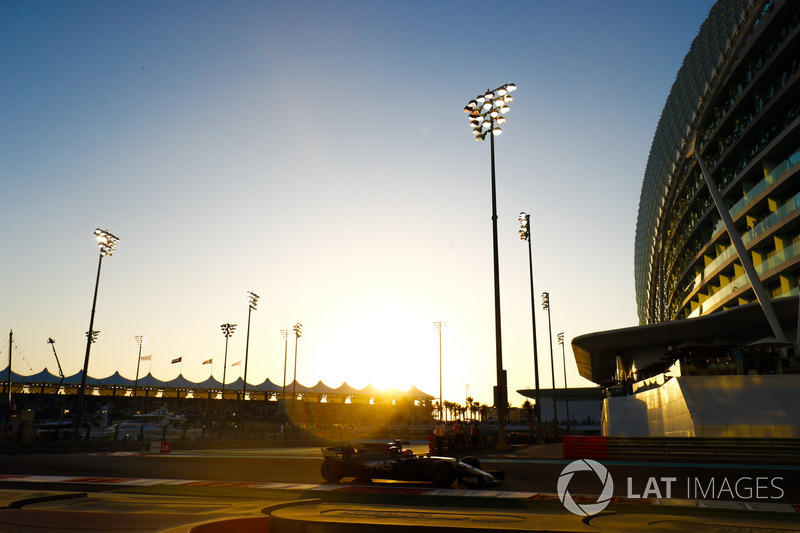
(61, 430)
(157, 425)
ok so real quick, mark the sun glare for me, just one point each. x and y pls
(379, 343)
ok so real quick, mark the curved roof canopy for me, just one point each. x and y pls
(116, 380)
(596, 353)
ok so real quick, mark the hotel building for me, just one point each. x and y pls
(706, 359)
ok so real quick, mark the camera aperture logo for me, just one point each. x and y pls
(585, 509)
(704, 487)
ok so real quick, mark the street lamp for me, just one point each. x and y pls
(298, 332)
(227, 330)
(253, 303)
(106, 241)
(546, 307)
(525, 235)
(564, 361)
(486, 113)
(439, 326)
(140, 340)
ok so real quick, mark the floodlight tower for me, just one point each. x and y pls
(140, 340)
(486, 114)
(525, 235)
(439, 326)
(227, 330)
(564, 361)
(106, 241)
(298, 332)
(253, 303)
(285, 335)
(546, 307)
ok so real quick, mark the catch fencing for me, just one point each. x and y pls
(693, 449)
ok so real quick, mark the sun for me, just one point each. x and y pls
(379, 343)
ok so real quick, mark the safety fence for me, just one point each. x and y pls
(781, 451)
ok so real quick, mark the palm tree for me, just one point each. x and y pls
(448, 407)
(528, 407)
(474, 408)
(456, 410)
(469, 403)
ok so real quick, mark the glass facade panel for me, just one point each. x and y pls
(735, 104)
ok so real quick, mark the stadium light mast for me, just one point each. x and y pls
(298, 332)
(106, 241)
(227, 330)
(546, 307)
(439, 326)
(564, 361)
(10, 376)
(285, 335)
(486, 114)
(525, 235)
(253, 303)
(140, 340)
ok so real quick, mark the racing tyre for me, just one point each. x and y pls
(443, 474)
(471, 461)
(331, 470)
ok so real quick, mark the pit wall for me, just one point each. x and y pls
(707, 406)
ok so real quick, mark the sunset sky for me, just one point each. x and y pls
(317, 154)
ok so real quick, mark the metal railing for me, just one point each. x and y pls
(694, 449)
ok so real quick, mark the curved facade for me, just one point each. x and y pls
(736, 101)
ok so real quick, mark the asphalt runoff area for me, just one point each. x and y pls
(171, 507)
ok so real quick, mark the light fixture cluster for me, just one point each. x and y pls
(228, 329)
(524, 226)
(487, 111)
(298, 329)
(545, 300)
(106, 240)
(253, 300)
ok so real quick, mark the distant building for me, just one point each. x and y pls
(702, 361)
(585, 406)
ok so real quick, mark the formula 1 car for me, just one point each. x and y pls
(391, 461)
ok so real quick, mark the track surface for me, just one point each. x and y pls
(778, 484)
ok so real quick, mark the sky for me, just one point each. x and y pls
(317, 154)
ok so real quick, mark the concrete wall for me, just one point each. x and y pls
(708, 406)
(746, 406)
(663, 411)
